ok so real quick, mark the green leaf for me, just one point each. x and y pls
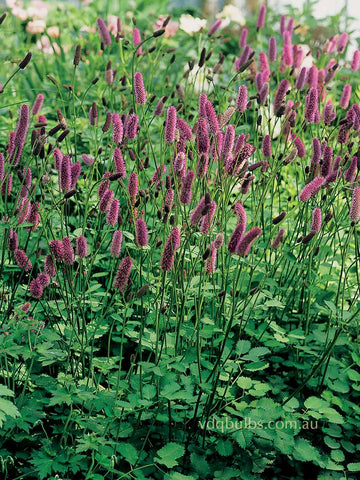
(224, 448)
(316, 403)
(170, 454)
(128, 451)
(242, 346)
(7, 408)
(354, 467)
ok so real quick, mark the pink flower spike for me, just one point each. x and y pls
(170, 125)
(118, 128)
(354, 213)
(68, 256)
(139, 89)
(116, 244)
(112, 216)
(246, 242)
(345, 96)
(278, 239)
(22, 260)
(36, 289)
(311, 189)
(261, 18)
(186, 187)
(37, 104)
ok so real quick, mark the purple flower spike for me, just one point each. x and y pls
(118, 128)
(141, 233)
(170, 125)
(123, 274)
(116, 244)
(113, 212)
(315, 226)
(81, 247)
(246, 242)
(311, 189)
(261, 18)
(37, 104)
(186, 187)
(103, 31)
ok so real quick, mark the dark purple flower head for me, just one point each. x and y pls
(13, 240)
(202, 136)
(355, 62)
(49, 266)
(327, 161)
(22, 260)
(329, 115)
(43, 279)
(219, 240)
(315, 221)
(228, 143)
(56, 249)
(107, 122)
(133, 185)
(186, 187)
(58, 156)
(68, 256)
(236, 237)
(184, 129)
(350, 173)
(301, 78)
(202, 165)
(141, 233)
(197, 213)
(311, 105)
(123, 274)
(280, 94)
(207, 218)
(137, 41)
(93, 115)
(87, 159)
(34, 216)
(116, 244)
(266, 146)
(81, 246)
(36, 289)
(240, 213)
(180, 164)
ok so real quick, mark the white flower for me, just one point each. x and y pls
(308, 60)
(197, 78)
(273, 127)
(36, 26)
(231, 13)
(190, 24)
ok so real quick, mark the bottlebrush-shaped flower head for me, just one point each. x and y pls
(197, 213)
(207, 218)
(171, 245)
(280, 94)
(13, 240)
(37, 104)
(75, 174)
(211, 117)
(105, 201)
(345, 96)
(68, 255)
(116, 244)
(261, 17)
(170, 125)
(112, 216)
(133, 185)
(266, 146)
(350, 173)
(311, 189)
(315, 226)
(132, 124)
(186, 187)
(103, 31)
(272, 49)
(247, 240)
(93, 115)
(242, 99)
(119, 163)
(141, 233)
(139, 89)
(36, 289)
(202, 136)
(123, 274)
(278, 239)
(49, 266)
(81, 246)
(43, 279)
(354, 213)
(118, 128)
(65, 174)
(56, 248)
(22, 260)
(236, 237)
